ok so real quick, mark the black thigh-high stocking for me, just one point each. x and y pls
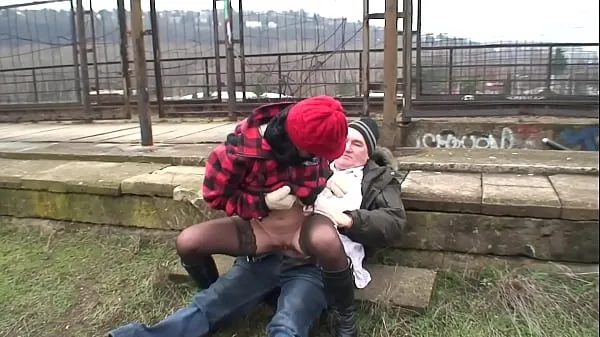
(195, 245)
(320, 239)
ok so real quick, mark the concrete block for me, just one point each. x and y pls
(100, 178)
(13, 171)
(442, 191)
(578, 196)
(163, 182)
(545, 239)
(519, 195)
(398, 286)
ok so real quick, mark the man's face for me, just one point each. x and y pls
(356, 153)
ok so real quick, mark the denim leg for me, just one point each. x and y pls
(300, 304)
(233, 295)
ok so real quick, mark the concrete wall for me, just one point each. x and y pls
(500, 133)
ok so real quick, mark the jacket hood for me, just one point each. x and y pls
(382, 156)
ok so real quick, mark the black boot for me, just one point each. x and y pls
(204, 271)
(339, 285)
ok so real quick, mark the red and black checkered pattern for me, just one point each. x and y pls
(241, 170)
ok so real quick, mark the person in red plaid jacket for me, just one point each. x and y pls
(263, 176)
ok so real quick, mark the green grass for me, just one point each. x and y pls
(81, 281)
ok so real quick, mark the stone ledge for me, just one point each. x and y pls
(410, 159)
(399, 286)
(571, 197)
(578, 196)
(545, 239)
(474, 263)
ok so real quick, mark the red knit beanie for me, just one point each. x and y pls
(318, 125)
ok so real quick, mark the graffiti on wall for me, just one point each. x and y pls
(449, 139)
(585, 139)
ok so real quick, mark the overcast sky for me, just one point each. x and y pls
(480, 20)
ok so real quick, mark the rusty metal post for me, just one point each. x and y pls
(365, 68)
(124, 56)
(217, 49)
(77, 78)
(407, 60)
(83, 61)
(390, 74)
(141, 76)
(418, 72)
(242, 53)
(230, 59)
(156, 57)
(94, 55)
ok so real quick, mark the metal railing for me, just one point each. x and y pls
(492, 72)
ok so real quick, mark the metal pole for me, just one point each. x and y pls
(75, 58)
(231, 100)
(85, 77)
(407, 60)
(242, 52)
(124, 56)
(94, 55)
(419, 83)
(366, 43)
(390, 73)
(217, 49)
(141, 76)
(156, 57)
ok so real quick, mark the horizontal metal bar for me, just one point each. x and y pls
(33, 3)
(328, 52)
(381, 16)
(462, 111)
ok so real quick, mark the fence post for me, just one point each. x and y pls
(141, 76)
(279, 79)
(207, 79)
(124, 57)
(450, 61)
(85, 76)
(77, 78)
(35, 89)
(158, 83)
(549, 71)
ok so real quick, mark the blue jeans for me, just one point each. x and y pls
(237, 293)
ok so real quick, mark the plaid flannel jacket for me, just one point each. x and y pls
(240, 171)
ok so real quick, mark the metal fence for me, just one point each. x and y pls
(38, 62)
(278, 54)
(507, 70)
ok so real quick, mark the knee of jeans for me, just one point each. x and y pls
(283, 325)
(291, 322)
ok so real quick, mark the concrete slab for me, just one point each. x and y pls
(542, 239)
(214, 135)
(184, 130)
(12, 172)
(157, 131)
(162, 183)
(519, 195)
(22, 130)
(499, 161)
(76, 132)
(398, 286)
(107, 136)
(578, 195)
(442, 191)
(99, 178)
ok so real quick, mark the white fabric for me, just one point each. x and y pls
(349, 202)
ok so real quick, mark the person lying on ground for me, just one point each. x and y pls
(377, 223)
